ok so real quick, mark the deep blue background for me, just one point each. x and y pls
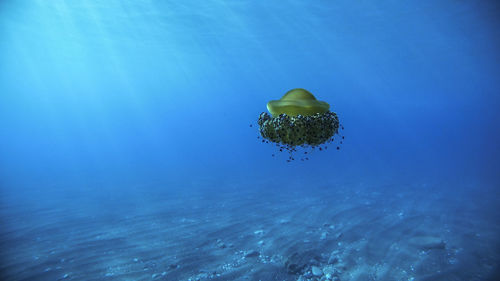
(126, 93)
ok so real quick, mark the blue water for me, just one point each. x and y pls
(109, 108)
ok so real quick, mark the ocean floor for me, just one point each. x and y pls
(324, 231)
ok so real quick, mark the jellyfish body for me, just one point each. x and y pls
(297, 102)
(298, 119)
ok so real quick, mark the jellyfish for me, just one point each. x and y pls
(298, 119)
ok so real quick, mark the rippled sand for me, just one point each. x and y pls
(253, 232)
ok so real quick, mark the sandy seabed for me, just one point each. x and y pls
(322, 232)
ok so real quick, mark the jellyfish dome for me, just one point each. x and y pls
(298, 119)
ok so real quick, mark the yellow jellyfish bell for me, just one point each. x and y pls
(297, 102)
